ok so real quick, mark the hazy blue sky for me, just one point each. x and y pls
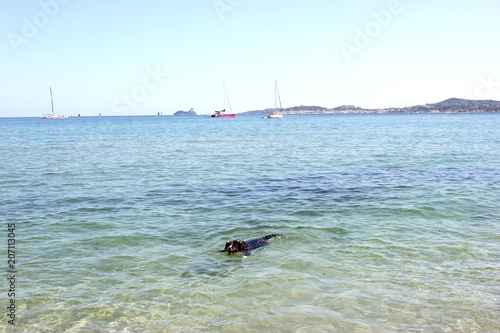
(142, 57)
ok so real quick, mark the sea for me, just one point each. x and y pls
(389, 223)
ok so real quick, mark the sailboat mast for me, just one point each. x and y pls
(51, 101)
(277, 96)
(224, 93)
(226, 97)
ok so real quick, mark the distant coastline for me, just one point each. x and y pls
(452, 105)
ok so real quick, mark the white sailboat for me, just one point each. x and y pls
(52, 115)
(275, 114)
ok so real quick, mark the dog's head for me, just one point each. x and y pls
(235, 246)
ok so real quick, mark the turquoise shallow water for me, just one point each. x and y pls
(391, 223)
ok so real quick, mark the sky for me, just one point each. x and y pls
(124, 57)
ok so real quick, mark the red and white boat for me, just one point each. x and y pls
(222, 113)
(52, 115)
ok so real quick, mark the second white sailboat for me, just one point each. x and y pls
(275, 114)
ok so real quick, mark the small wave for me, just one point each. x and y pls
(307, 213)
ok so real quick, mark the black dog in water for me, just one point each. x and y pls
(248, 246)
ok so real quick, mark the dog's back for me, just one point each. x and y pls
(248, 246)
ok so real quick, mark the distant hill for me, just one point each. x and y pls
(466, 104)
(294, 109)
(451, 105)
(303, 109)
(347, 108)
